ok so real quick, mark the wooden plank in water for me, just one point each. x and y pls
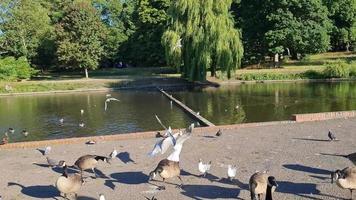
(201, 119)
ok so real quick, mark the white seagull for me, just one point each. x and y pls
(81, 111)
(81, 125)
(113, 154)
(108, 100)
(231, 171)
(101, 197)
(47, 150)
(163, 144)
(204, 168)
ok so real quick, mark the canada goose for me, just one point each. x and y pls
(108, 100)
(89, 162)
(231, 171)
(169, 168)
(25, 132)
(331, 136)
(219, 133)
(163, 144)
(260, 183)
(101, 197)
(345, 179)
(68, 183)
(204, 168)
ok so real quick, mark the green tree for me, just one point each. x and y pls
(273, 26)
(202, 37)
(144, 47)
(79, 36)
(117, 16)
(24, 25)
(343, 16)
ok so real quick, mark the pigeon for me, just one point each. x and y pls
(113, 154)
(25, 132)
(204, 168)
(231, 171)
(108, 100)
(51, 162)
(45, 151)
(91, 142)
(331, 136)
(219, 133)
(101, 197)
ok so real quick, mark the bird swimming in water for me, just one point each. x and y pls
(109, 100)
(219, 133)
(108, 95)
(231, 171)
(81, 125)
(81, 111)
(61, 121)
(11, 130)
(331, 136)
(204, 168)
(25, 132)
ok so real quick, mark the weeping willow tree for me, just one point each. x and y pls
(201, 37)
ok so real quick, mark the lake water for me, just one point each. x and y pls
(40, 114)
(269, 102)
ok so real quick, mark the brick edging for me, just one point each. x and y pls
(323, 116)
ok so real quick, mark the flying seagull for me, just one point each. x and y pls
(108, 100)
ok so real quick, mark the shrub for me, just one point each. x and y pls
(312, 74)
(353, 69)
(339, 69)
(15, 69)
(268, 76)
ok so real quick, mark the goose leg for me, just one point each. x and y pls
(351, 193)
(162, 187)
(181, 182)
(259, 197)
(93, 169)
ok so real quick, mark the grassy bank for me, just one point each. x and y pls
(311, 67)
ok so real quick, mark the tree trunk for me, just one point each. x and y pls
(86, 73)
(347, 46)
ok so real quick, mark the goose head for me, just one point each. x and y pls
(335, 175)
(272, 181)
(152, 175)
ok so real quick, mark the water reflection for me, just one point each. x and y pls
(40, 114)
(269, 102)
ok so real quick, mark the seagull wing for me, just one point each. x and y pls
(174, 156)
(157, 148)
(159, 121)
(47, 150)
(167, 142)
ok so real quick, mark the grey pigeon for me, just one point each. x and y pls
(219, 133)
(331, 136)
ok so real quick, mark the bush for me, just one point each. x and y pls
(312, 74)
(268, 76)
(353, 69)
(12, 69)
(339, 69)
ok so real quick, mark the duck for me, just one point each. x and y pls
(69, 183)
(25, 132)
(89, 162)
(169, 167)
(204, 168)
(345, 179)
(260, 183)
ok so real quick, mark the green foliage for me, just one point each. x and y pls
(203, 36)
(272, 26)
(25, 24)
(338, 69)
(343, 15)
(144, 47)
(15, 69)
(79, 36)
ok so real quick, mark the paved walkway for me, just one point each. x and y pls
(291, 152)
